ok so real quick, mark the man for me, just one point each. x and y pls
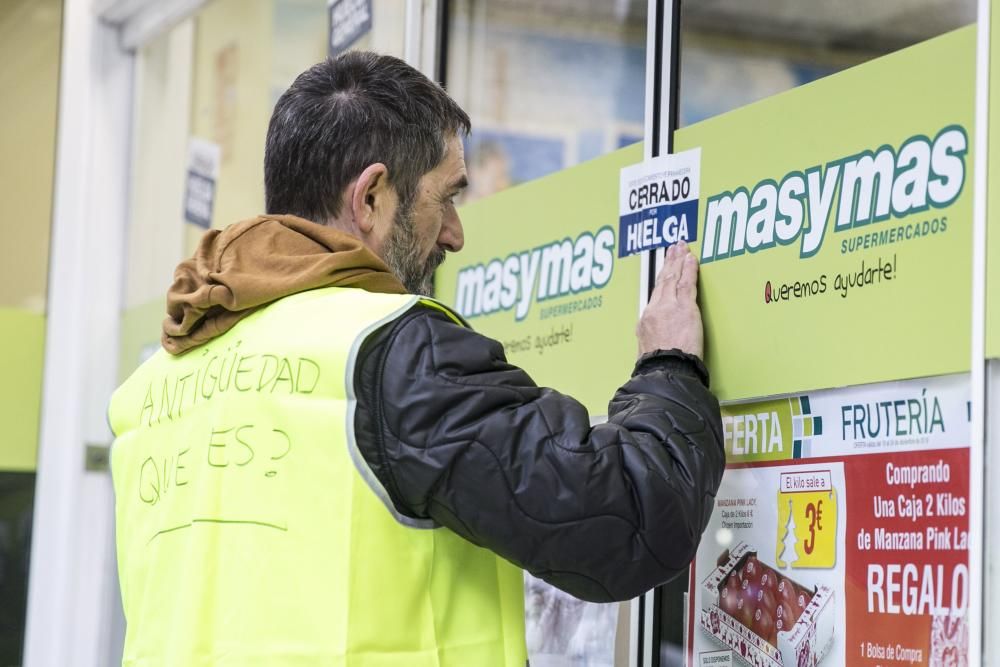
(323, 468)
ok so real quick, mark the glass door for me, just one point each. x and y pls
(816, 335)
(29, 36)
(549, 86)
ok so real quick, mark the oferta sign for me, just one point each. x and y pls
(835, 226)
(540, 273)
(773, 430)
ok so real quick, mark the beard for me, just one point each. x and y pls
(402, 255)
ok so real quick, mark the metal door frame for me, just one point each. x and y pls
(661, 116)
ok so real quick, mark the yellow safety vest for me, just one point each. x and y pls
(250, 530)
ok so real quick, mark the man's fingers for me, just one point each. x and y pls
(687, 284)
(668, 265)
(666, 279)
(673, 319)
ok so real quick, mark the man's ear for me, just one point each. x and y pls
(371, 197)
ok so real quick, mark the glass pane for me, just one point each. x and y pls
(735, 52)
(17, 492)
(156, 229)
(548, 84)
(29, 45)
(806, 504)
(388, 32)
(245, 55)
(212, 81)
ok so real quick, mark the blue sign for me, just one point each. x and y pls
(349, 21)
(201, 182)
(657, 227)
(199, 198)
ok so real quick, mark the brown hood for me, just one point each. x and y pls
(248, 265)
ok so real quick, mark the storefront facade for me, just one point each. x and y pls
(841, 210)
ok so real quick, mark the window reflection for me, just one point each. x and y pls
(548, 84)
(734, 53)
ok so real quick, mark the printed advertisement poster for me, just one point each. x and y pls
(835, 226)
(540, 272)
(840, 534)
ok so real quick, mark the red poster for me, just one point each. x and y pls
(907, 579)
(841, 530)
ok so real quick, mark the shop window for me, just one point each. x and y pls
(208, 86)
(548, 84)
(30, 33)
(734, 53)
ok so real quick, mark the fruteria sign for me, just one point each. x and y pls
(835, 226)
(540, 273)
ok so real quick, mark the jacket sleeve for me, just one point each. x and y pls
(458, 435)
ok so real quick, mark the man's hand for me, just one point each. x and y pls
(672, 318)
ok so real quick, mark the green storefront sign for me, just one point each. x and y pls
(835, 236)
(834, 233)
(540, 273)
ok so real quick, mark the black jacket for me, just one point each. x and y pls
(457, 435)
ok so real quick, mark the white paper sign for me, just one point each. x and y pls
(658, 202)
(204, 158)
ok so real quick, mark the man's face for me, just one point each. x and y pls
(424, 231)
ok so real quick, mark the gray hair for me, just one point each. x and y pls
(347, 113)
